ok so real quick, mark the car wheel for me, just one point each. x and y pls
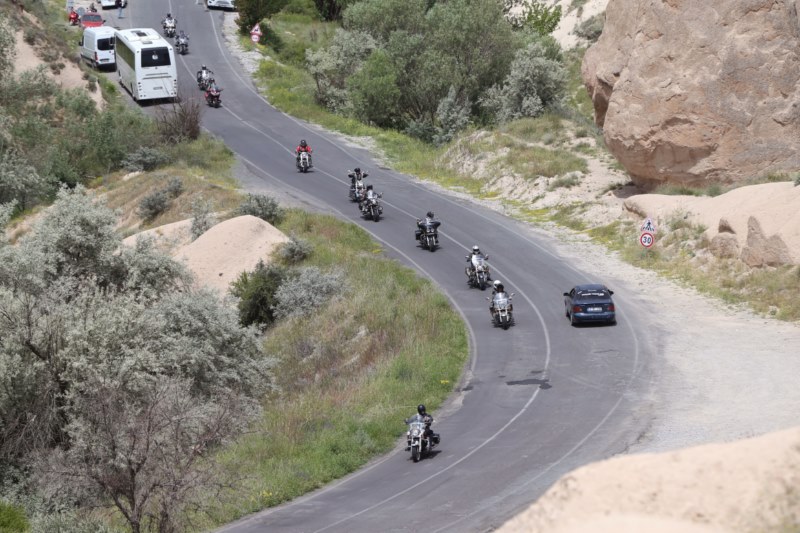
(572, 320)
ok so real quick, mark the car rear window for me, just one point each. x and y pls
(155, 57)
(593, 294)
(105, 44)
(92, 18)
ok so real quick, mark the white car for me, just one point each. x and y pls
(112, 3)
(227, 4)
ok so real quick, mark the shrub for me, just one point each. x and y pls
(153, 205)
(180, 121)
(797, 180)
(452, 116)
(302, 7)
(256, 293)
(263, 207)
(12, 519)
(295, 250)
(145, 158)
(591, 28)
(307, 290)
(202, 217)
(174, 187)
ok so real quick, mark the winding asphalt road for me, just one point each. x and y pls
(536, 401)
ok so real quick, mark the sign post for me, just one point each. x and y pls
(255, 34)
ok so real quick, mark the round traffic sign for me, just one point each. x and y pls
(255, 37)
(646, 239)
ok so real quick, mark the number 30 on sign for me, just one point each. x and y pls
(646, 239)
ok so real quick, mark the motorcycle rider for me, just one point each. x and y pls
(213, 89)
(430, 218)
(169, 21)
(92, 9)
(182, 37)
(470, 266)
(427, 420)
(356, 174)
(73, 16)
(303, 147)
(362, 200)
(203, 73)
(498, 288)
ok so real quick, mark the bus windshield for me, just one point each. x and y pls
(155, 57)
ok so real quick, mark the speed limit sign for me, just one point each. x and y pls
(646, 239)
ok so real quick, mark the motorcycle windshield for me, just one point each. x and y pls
(478, 261)
(501, 301)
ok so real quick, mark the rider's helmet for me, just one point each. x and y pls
(496, 284)
(303, 143)
(357, 170)
(203, 67)
(421, 409)
(369, 187)
(430, 214)
(169, 15)
(476, 250)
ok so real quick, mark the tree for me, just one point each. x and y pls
(534, 82)
(7, 48)
(331, 67)
(252, 12)
(374, 92)
(146, 450)
(256, 293)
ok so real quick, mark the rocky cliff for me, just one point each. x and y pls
(694, 92)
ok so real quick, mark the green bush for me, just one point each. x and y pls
(302, 7)
(202, 217)
(295, 250)
(263, 207)
(256, 293)
(174, 187)
(591, 28)
(145, 158)
(12, 519)
(153, 205)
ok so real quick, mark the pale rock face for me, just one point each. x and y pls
(693, 92)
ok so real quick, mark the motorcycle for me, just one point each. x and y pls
(478, 271)
(502, 310)
(74, 18)
(203, 82)
(357, 191)
(304, 163)
(371, 207)
(169, 28)
(418, 442)
(182, 44)
(429, 234)
(213, 96)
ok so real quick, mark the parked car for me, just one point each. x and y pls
(590, 303)
(226, 4)
(104, 4)
(91, 20)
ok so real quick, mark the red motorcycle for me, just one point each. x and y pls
(213, 96)
(74, 19)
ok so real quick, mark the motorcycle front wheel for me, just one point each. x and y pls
(415, 454)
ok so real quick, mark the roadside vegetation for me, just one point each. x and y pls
(125, 351)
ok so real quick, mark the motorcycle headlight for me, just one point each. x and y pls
(415, 433)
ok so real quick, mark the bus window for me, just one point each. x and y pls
(155, 57)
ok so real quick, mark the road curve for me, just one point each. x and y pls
(537, 400)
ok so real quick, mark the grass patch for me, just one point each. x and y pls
(203, 168)
(346, 388)
(564, 182)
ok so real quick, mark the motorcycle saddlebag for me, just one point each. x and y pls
(436, 439)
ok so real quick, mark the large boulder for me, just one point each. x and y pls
(694, 92)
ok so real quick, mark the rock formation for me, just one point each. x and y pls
(695, 92)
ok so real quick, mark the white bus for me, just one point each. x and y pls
(146, 64)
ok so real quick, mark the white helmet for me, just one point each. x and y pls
(476, 249)
(496, 283)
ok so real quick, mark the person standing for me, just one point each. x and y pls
(119, 4)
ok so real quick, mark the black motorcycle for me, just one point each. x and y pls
(203, 82)
(371, 206)
(478, 271)
(502, 310)
(428, 234)
(182, 44)
(419, 440)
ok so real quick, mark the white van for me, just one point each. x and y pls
(97, 46)
(225, 4)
